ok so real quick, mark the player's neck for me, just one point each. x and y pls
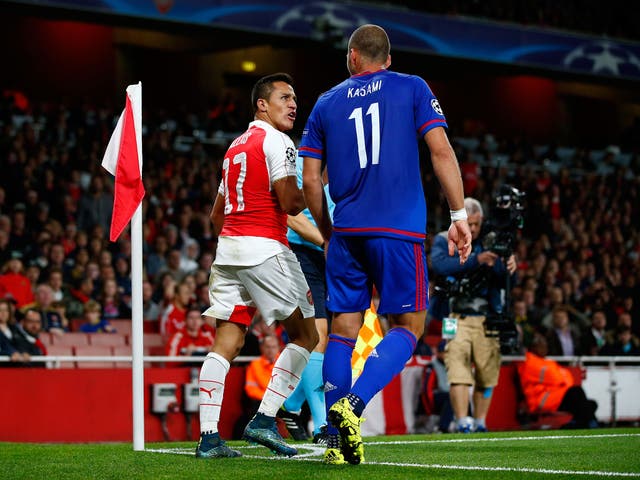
(263, 118)
(368, 70)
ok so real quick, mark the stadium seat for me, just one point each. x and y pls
(151, 327)
(97, 351)
(108, 339)
(156, 351)
(73, 339)
(153, 340)
(122, 325)
(45, 337)
(60, 350)
(122, 351)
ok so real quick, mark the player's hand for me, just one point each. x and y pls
(459, 236)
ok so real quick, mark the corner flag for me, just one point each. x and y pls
(123, 158)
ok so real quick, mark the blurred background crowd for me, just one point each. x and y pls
(578, 252)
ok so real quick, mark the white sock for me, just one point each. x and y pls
(286, 375)
(212, 375)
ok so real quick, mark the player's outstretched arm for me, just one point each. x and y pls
(307, 230)
(446, 168)
(314, 195)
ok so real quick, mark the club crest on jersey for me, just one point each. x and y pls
(436, 106)
(291, 154)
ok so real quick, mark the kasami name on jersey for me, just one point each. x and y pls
(370, 87)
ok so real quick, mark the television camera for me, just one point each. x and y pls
(501, 233)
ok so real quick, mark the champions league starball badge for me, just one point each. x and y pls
(603, 57)
(291, 154)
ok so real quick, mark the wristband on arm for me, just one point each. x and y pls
(458, 214)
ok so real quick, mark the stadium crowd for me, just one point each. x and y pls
(578, 253)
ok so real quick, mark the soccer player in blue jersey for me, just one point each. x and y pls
(366, 130)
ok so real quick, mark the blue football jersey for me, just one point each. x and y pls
(367, 130)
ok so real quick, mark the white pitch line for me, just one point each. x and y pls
(510, 469)
(318, 450)
(505, 439)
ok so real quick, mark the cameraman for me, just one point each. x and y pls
(473, 290)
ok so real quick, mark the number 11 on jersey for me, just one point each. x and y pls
(374, 113)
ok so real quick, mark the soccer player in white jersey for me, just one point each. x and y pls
(255, 268)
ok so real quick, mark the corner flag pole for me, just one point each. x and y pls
(137, 366)
(137, 352)
(123, 159)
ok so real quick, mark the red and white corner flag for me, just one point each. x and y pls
(123, 158)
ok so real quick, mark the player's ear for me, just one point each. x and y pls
(387, 64)
(262, 105)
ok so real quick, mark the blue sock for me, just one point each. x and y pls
(384, 363)
(294, 402)
(336, 371)
(311, 382)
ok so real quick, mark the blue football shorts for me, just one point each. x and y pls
(397, 268)
(313, 266)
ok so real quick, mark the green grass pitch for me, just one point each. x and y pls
(552, 455)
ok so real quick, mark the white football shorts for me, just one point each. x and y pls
(275, 287)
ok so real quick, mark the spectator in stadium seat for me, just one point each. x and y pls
(95, 206)
(549, 387)
(173, 316)
(7, 334)
(52, 322)
(593, 339)
(94, 322)
(157, 258)
(13, 281)
(189, 256)
(111, 300)
(150, 309)
(623, 345)
(192, 339)
(5, 253)
(80, 293)
(173, 265)
(56, 282)
(562, 338)
(624, 319)
(359, 245)
(26, 339)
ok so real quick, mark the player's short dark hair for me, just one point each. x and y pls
(264, 87)
(371, 41)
